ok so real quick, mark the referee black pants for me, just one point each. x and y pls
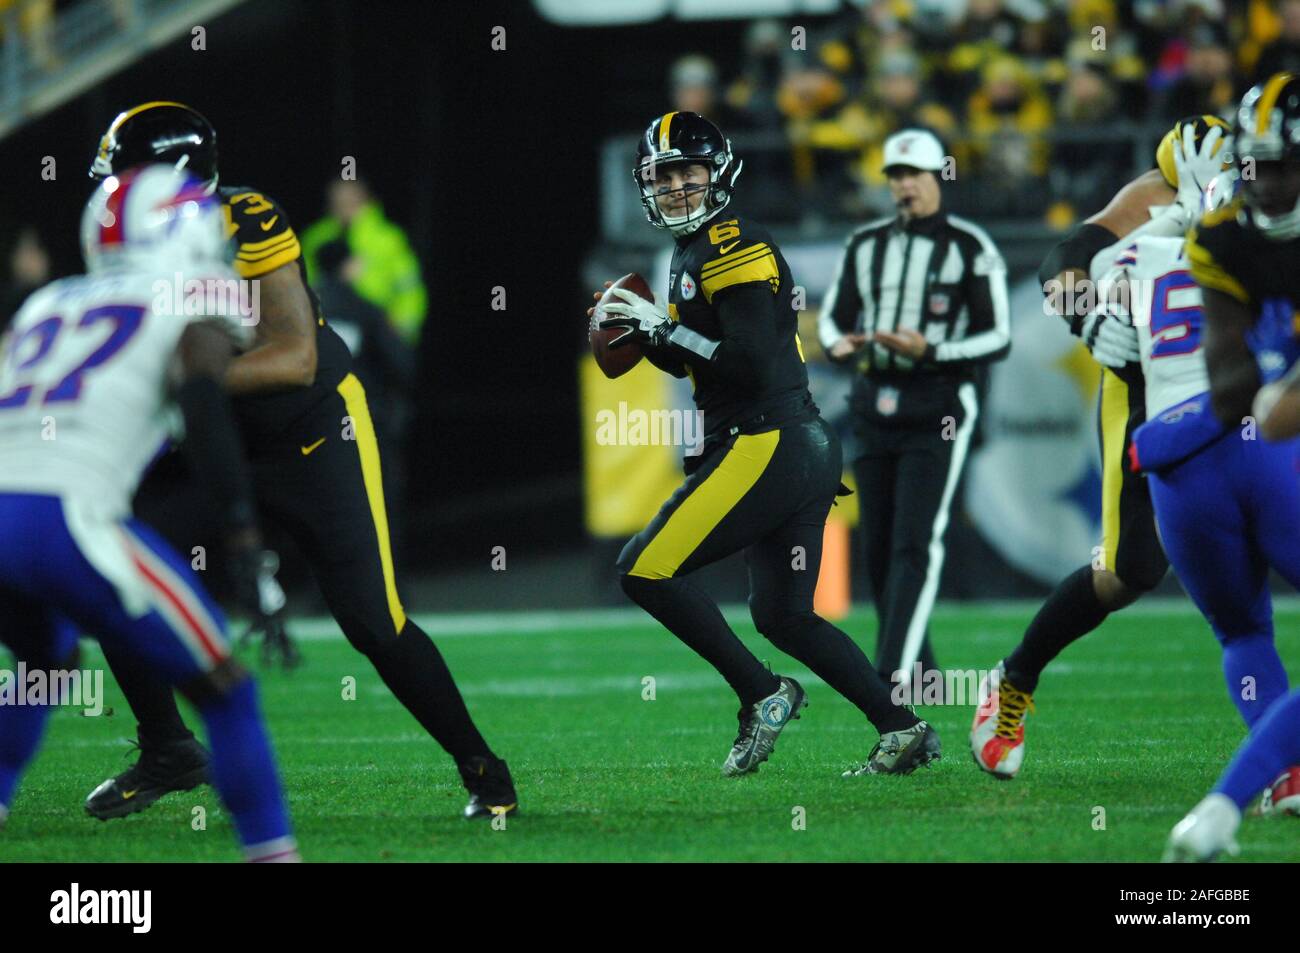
(907, 474)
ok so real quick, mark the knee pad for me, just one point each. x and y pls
(216, 684)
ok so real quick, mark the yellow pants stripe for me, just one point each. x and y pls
(354, 399)
(704, 509)
(1114, 420)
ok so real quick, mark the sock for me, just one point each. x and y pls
(838, 661)
(150, 697)
(21, 729)
(414, 671)
(1273, 746)
(1070, 612)
(688, 613)
(1254, 657)
(243, 766)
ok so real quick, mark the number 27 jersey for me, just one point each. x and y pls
(85, 375)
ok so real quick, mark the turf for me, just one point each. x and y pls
(1133, 725)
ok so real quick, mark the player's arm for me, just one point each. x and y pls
(284, 352)
(1234, 376)
(1277, 407)
(989, 335)
(1067, 264)
(213, 448)
(837, 320)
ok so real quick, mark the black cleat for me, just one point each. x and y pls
(491, 790)
(160, 769)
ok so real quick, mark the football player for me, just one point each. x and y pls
(1243, 258)
(1130, 559)
(316, 474)
(770, 466)
(100, 358)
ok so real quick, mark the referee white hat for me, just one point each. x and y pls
(915, 148)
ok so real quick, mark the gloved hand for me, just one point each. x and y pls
(1112, 341)
(643, 320)
(1197, 166)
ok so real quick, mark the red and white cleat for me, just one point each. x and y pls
(997, 736)
(1283, 795)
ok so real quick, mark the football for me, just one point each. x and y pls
(615, 362)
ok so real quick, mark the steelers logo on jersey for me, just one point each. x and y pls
(688, 286)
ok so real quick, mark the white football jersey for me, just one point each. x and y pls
(1165, 303)
(85, 375)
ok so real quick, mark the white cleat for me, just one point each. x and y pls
(1282, 797)
(1208, 831)
(997, 735)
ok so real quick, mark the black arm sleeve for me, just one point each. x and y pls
(744, 355)
(664, 359)
(1075, 251)
(213, 448)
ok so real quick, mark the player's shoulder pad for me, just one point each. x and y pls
(734, 251)
(260, 227)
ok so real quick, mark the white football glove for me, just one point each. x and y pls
(1112, 341)
(644, 320)
(1196, 167)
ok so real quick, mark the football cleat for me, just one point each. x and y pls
(997, 736)
(760, 724)
(1204, 833)
(160, 769)
(1283, 795)
(901, 752)
(491, 789)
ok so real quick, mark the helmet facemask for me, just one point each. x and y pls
(723, 172)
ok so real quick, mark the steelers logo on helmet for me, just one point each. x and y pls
(1165, 155)
(681, 139)
(160, 131)
(1267, 132)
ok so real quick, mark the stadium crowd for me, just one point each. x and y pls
(1044, 105)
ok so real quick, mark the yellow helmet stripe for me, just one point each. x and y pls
(1268, 99)
(664, 125)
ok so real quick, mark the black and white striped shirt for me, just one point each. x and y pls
(940, 275)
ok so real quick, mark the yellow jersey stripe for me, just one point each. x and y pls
(734, 258)
(264, 266)
(258, 254)
(1114, 420)
(764, 269)
(706, 506)
(278, 237)
(354, 400)
(1268, 99)
(1208, 273)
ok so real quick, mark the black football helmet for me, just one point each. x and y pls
(1267, 129)
(167, 132)
(680, 137)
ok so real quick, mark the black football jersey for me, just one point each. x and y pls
(1228, 255)
(264, 241)
(726, 253)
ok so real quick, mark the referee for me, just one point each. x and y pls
(918, 301)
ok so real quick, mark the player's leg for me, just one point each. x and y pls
(332, 502)
(39, 642)
(783, 571)
(1130, 561)
(171, 758)
(699, 524)
(929, 468)
(1207, 532)
(1211, 827)
(154, 607)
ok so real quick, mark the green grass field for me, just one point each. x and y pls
(1133, 720)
